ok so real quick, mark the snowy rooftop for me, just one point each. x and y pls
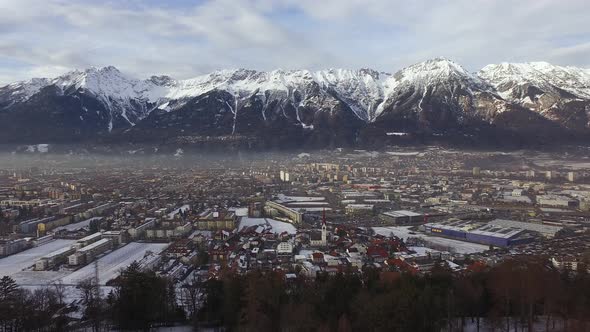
(281, 198)
(542, 228)
(402, 213)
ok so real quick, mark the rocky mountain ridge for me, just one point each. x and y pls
(435, 98)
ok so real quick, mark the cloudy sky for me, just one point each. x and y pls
(184, 38)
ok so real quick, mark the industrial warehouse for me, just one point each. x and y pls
(496, 233)
(401, 217)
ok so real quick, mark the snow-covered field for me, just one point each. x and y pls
(280, 227)
(441, 243)
(13, 264)
(41, 148)
(183, 208)
(276, 226)
(76, 226)
(110, 265)
(570, 164)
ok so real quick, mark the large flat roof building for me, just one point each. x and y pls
(545, 230)
(484, 233)
(401, 217)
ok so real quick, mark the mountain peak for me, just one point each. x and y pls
(441, 63)
(435, 70)
(440, 59)
(106, 71)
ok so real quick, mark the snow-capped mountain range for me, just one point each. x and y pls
(326, 107)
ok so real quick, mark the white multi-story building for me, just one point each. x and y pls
(571, 176)
(284, 248)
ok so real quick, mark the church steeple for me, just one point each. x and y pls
(324, 229)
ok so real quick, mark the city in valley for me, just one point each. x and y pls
(294, 166)
(67, 220)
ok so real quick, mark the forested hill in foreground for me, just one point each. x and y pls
(517, 295)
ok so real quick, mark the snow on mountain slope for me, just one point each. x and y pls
(358, 88)
(22, 91)
(433, 90)
(361, 89)
(438, 70)
(121, 96)
(107, 82)
(559, 94)
(440, 88)
(506, 77)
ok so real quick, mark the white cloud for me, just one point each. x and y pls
(48, 37)
(46, 71)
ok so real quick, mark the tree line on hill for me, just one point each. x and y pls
(516, 295)
(137, 300)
